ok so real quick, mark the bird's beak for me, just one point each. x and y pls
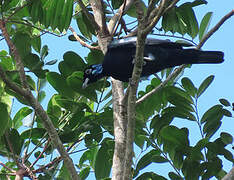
(85, 84)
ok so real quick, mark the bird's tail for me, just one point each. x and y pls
(193, 56)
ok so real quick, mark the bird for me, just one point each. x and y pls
(159, 54)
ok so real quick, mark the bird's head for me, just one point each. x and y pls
(92, 74)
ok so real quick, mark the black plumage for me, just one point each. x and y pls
(158, 55)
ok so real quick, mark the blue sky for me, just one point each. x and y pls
(222, 86)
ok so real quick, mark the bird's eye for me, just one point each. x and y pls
(88, 71)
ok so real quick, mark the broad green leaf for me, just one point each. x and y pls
(174, 135)
(179, 112)
(226, 138)
(104, 157)
(22, 42)
(204, 85)
(6, 61)
(147, 159)
(174, 176)
(58, 5)
(189, 19)
(52, 62)
(189, 171)
(15, 140)
(36, 43)
(210, 128)
(84, 173)
(94, 57)
(59, 84)
(132, 10)
(85, 31)
(19, 116)
(116, 3)
(71, 62)
(150, 176)
(64, 173)
(189, 86)
(198, 2)
(4, 120)
(211, 113)
(227, 113)
(75, 81)
(34, 133)
(225, 102)
(44, 52)
(205, 25)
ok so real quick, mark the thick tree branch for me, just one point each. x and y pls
(181, 68)
(133, 85)
(81, 41)
(99, 16)
(26, 93)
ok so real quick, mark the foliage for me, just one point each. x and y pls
(85, 115)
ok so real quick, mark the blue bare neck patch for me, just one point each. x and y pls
(97, 69)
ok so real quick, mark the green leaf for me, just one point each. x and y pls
(20, 115)
(64, 173)
(75, 81)
(104, 157)
(116, 3)
(22, 42)
(36, 43)
(147, 159)
(225, 102)
(52, 62)
(71, 62)
(85, 31)
(204, 85)
(174, 135)
(227, 113)
(226, 138)
(179, 112)
(15, 140)
(211, 113)
(4, 120)
(84, 173)
(174, 176)
(205, 25)
(132, 10)
(34, 133)
(95, 57)
(44, 52)
(59, 84)
(150, 176)
(189, 86)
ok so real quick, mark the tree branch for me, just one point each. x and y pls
(230, 175)
(116, 18)
(133, 85)
(81, 41)
(26, 93)
(215, 28)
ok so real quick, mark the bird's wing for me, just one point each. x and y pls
(131, 42)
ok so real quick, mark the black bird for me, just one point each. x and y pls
(158, 55)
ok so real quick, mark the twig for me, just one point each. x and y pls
(122, 10)
(44, 149)
(120, 17)
(215, 28)
(156, 14)
(9, 169)
(171, 5)
(81, 41)
(26, 93)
